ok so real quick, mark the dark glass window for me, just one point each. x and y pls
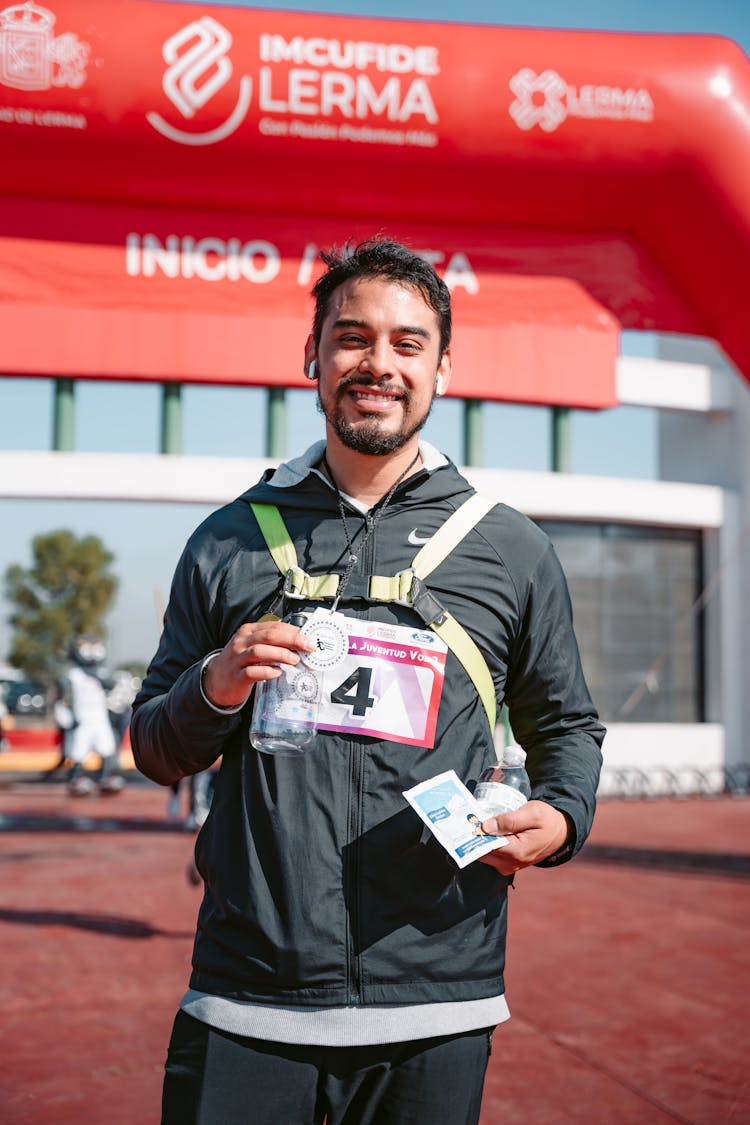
(634, 591)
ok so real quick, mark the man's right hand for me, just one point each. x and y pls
(252, 654)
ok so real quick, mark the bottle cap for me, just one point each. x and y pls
(513, 755)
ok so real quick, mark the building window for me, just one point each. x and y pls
(634, 591)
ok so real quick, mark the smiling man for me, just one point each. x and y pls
(344, 969)
(384, 359)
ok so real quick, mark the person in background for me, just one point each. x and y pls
(199, 788)
(344, 969)
(121, 688)
(83, 693)
(64, 721)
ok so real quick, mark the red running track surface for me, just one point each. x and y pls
(627, 967)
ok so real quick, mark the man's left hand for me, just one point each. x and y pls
(534, 831)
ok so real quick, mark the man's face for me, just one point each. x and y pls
(378, 360)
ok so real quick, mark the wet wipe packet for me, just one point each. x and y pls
(453, 816)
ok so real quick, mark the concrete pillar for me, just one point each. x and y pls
(64, 416)
(171, 418)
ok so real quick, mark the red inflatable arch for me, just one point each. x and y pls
(170, 171)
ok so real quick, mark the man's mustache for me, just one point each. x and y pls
(371, 381)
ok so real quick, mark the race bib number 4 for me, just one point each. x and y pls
(388, 685)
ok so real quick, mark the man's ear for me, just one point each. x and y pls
(443, 373)
(311, 361)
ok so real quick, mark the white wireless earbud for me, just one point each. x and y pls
(311, 372)
(439, 385)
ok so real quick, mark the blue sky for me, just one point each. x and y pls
(721, 17)
(147, 539)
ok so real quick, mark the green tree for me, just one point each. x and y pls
(67, 590)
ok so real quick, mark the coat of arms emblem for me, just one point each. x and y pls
(32, 57)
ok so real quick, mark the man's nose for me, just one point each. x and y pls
(378, 360)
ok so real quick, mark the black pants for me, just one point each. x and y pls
(216, 1078)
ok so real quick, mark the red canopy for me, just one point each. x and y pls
(170, 175)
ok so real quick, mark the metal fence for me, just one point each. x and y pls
(637, 784)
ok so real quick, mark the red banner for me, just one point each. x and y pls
(550, 175)
(222, 297)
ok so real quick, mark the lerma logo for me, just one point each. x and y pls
(198, 68)
(538, 99)
(546, 100)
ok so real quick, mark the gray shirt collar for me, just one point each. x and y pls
(295, 471)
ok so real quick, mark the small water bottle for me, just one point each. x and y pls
(506, 786)
(285, 711)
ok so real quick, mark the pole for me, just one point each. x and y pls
(276, 422)
(473, 432)
(561, 444)
(64, 416)
(171, 418)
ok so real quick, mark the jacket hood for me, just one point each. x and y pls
(300, 484)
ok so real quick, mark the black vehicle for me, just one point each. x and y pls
(24, 697)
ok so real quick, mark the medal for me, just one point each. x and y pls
(328, 631)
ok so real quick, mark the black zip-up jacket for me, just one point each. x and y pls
(319, 890)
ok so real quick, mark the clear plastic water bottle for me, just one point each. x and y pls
(285, 711)
(506, 786)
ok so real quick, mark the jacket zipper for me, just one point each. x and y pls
(355, 825)
(356, 782)
(351, 868)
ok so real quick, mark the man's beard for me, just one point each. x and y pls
(366, 437)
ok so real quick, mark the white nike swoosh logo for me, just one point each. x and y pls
(417, 540)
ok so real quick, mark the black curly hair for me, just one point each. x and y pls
(381, 257)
